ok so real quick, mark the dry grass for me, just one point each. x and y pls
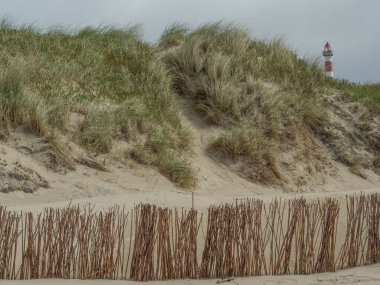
(259, 91)
(173, 36)
(11, 95)
(249, 146)
(62, 71)
(367, 94)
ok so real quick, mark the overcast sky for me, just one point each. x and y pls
(352, 26)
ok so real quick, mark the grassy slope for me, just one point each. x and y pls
(263, 96)
(367, 94)
(110, 76)
(260, 93)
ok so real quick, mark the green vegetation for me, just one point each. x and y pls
(173, 36)
(252, 148)
(119, 88)
(11, 92)
(259, 91)
(108, 75)
(367, 94)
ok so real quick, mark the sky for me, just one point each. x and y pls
(351, 26)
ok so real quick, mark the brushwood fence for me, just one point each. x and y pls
(246, 238)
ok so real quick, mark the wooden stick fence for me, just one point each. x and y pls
(246, 238)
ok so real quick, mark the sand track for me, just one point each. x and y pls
(368, 275)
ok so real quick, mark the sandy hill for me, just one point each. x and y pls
(100, 117)
(100, 113)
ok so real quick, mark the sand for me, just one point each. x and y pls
(130, 184)
(133, 183)
(130, 187)
(362, 275)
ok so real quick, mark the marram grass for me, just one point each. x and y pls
(260, 93)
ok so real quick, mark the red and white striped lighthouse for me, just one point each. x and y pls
(327, 53)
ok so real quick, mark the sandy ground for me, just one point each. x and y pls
(132, 184)
(119, 186)
(362, 275)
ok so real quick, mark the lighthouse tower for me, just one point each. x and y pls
(327, 53)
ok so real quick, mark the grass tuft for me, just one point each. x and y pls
(71, 71)
(367, 94)
(179, 170)
(249, 146)
(11, 95)
(258, 91)
(173, 35)
(58, 112)
(99, 128)
(36, 117)
(120, 87)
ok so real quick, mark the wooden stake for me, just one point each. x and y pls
(192, 200)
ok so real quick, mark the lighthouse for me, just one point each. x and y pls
(327, 53)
